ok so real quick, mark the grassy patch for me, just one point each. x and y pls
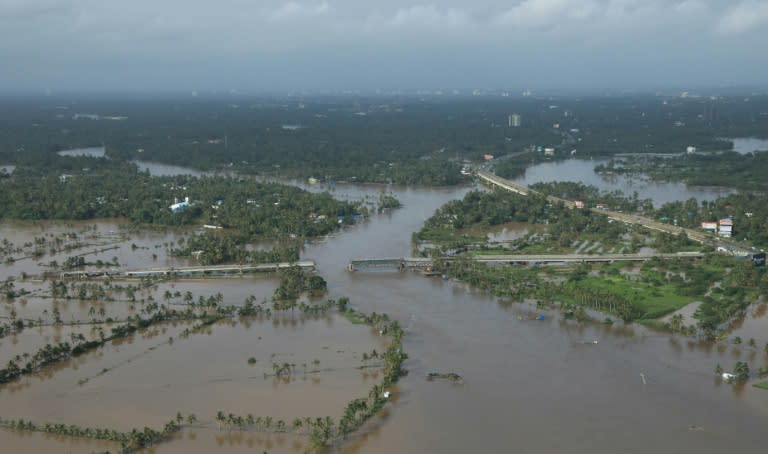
(490, 251)
(653, 324)
(655, 300)
(763, 385)
(355, 317)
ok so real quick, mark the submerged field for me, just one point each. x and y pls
(255, 357)
(155, 374)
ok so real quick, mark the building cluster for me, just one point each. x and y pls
(724, 227)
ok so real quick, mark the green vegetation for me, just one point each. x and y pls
(388, 201)
(729, 169)
(741, 371)
(293, 282)
(120, 190)
(626, 298)
(762, 385)
(748, 211)
(563, 226)
(417, 140)
(513, 168)
(592, 197)
(724, 285)
(244, 209)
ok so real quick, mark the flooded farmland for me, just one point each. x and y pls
(530, 385)
(155, 374)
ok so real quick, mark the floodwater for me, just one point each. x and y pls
(151, 379)
(92, 152)
(163, 170)
(12, 441)
(529, 386)
(31, 340)
(582, 171)
(211, 439)
(744, 145)
(532, 386)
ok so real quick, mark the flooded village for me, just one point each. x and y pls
(337, 227)
(523, 369)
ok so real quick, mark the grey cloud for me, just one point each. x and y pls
(430, 16)
(16, 10)
(370, 43)
(291, 10)
(744, 17)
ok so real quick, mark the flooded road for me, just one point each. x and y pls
(529, 386)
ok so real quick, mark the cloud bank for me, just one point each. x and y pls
(39, 38)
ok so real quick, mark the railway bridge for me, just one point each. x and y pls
(189, 271)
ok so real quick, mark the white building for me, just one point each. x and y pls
(178, 207)
(725, 228)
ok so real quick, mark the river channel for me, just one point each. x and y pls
(529, 386)
(534, 386)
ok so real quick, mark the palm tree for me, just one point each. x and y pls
(676, 322)
(741, 370)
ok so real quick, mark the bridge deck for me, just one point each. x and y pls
(422, 262)
(191, 271)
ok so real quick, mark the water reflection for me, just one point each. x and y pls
(93, 152)
(744, 145)
(583, 171)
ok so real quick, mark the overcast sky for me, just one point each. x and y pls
(267, 45)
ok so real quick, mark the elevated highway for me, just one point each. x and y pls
(648, 223)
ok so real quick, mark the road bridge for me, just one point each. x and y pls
(189, 271)
(390, 263)
(426, 264)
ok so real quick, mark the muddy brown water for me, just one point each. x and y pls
(530, 386)
(533, 386)
(150, 379)
(12, 442)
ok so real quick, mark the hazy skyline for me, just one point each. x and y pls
(344, 44)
